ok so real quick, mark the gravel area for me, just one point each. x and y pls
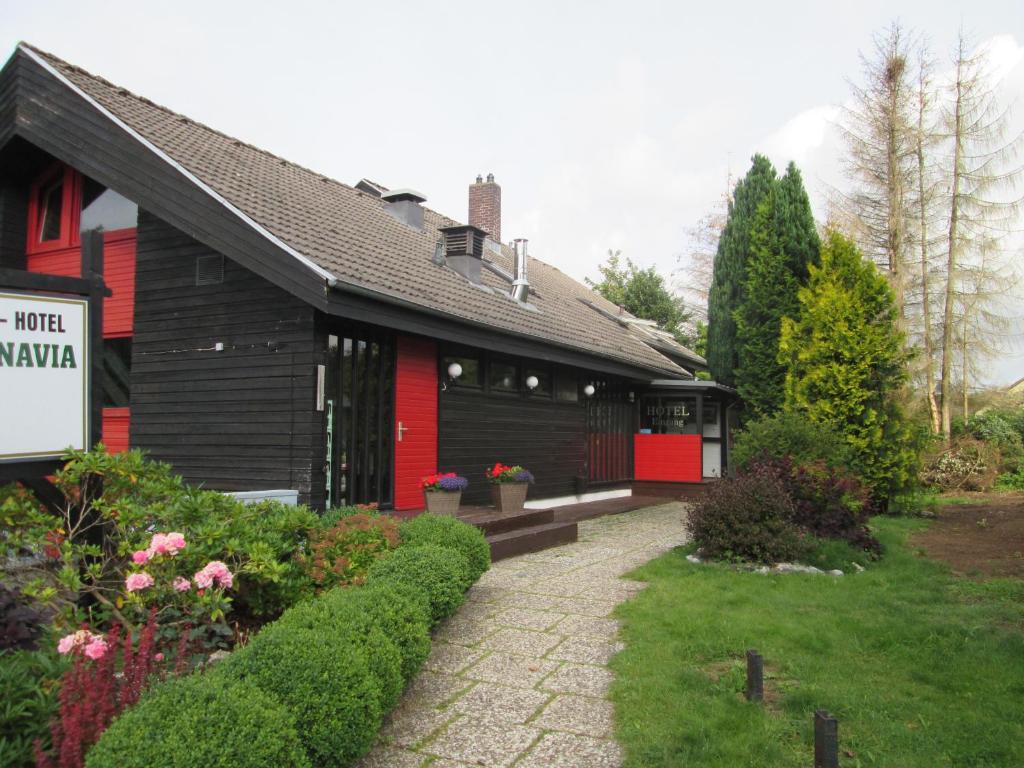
(519, 676)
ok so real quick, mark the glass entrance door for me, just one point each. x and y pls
(361, 406)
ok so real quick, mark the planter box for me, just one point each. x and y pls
(509, 497)
(443, 502)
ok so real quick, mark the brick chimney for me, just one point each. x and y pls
(485, 206)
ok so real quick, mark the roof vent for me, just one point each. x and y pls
(464, 249)
(520, 285)
(405, 205)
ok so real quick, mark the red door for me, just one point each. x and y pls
(415, 419)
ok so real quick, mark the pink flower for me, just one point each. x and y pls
(175, 542)
(214, 570)
(83, 637)
(158, 544)
(181, 584)
(140, 556)
(138, 581)
(96, 648)
(158, 656)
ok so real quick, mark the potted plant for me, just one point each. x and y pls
(508, 486)
(443, 492)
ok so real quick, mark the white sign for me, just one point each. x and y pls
(44, 376)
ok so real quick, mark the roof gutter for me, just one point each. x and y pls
(359, 290)
(260, 229)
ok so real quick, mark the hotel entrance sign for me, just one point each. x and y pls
(44, 376)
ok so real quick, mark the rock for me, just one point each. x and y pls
(858, 567)
(762, 569)
(693, 559)
(217, 656)
(835, 572)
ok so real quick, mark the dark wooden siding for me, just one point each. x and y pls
(13, 212)
(478, 429)
(240, 419)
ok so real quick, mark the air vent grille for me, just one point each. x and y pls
(210, 270)
(463, 241)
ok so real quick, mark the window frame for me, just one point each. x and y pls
(69, 215)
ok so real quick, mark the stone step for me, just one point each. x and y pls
(531, 539)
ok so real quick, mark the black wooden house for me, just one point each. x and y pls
(272, 328)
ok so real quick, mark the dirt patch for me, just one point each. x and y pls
(983, 537)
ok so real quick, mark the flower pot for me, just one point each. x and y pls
(509, 497)
(443, 502)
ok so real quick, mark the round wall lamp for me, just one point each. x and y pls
(531, 382)
(454, 370)
(589, 390)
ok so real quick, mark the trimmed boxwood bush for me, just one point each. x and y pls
(339, 625)
(201, 720)
(400, 611)
(329, 688)
(446, 531)
(439, 572)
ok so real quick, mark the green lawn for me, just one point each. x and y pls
(920, 668)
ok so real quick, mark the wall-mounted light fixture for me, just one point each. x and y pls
(589, 390)
(631, 396)
(531, 382)
(454, 371)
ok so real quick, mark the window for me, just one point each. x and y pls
(105, 209)
(669, 415)
(567, 387)
(502, 376)
(543, 375)
(50, 207)
(117, 368)
(712, 427)
(471, 370)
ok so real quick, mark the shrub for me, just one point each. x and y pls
(398, 610)
(201, 720)
(20, 624)
(966, 464)
(748, 518)
(439, 572)
(30, 681)
(450, 532)
(339, 623)
(792, 435)
(329, 689)
(331, 516)
(1011, 481)
(343, 554)
(827, 502)
(1006, 430)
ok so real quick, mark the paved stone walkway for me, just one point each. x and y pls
(519, 676)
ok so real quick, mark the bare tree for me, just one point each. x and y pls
(983, 207)
(692, 278)
(924, 141)
(879, 131)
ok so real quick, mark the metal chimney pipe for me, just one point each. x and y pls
(520, 285)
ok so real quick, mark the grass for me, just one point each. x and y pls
(921, 669)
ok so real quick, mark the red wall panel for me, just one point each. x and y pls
(416, 411)
(669, 458)
(115, 429)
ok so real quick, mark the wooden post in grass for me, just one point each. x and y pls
(755, 676)
(826, 740)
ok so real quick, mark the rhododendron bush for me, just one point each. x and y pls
(129, 536)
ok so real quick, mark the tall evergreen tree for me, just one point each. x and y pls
(797, 233)
(846, 362)
(730, 269)
(770, 294)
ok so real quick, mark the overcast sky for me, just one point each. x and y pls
(608, 125)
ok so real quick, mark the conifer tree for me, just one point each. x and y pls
(797, 234)
(770, 293)
(727, 287)
(846, 361)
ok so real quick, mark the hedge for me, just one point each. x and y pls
(201, 720)
(329, 688)
(447, 531)
(328, 670)
(441, 574)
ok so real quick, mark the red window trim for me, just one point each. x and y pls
(69, 216)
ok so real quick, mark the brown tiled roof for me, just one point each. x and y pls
(347, 233)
